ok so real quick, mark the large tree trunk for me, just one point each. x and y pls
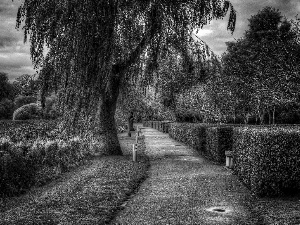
(107, 128)
(106, 125)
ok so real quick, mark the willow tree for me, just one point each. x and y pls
(93, 43)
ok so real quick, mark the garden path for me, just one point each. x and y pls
(185, 188)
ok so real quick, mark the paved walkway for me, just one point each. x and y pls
(184, 188)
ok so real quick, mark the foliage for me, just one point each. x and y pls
(27, 85)
(131, 101)
(260, 70)
(23, 165)
(93, 44)
(267, 159)
(16, 172)
(196, 105)
(21, 100)
(50, 110)
(6, 109)
(26, 112)
(6, 88)
(28, 131)
(192, 134)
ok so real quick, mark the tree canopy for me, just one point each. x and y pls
(92, 45)
(261, 70)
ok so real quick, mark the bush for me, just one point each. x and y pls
(27, 130)
(26, 112)
(24, 100)
(267, 159)
(6, 109)
(50, 111)
(219, 139)
(16, 171)
(23, 165)
(193, 134)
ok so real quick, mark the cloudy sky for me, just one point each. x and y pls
(15, 58)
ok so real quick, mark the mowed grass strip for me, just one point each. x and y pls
(93, 195)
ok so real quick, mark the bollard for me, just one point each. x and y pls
(134, 152)
(229, 160)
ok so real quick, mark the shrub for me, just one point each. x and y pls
(37, 152)
(6, 109)
(26, 112)
(219, 139)
(23, 100)
(51, 149)
(50, 111)
(16, 171)
(193, 134)
(267, 159)
(27, 130)
(23, 165)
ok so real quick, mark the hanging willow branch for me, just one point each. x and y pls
(93, 44)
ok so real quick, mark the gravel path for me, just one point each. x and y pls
(184, 188)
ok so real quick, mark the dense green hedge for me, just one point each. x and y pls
(268, 159)
(193, 134)
(23, 165)
(27, 130)
(27, 112)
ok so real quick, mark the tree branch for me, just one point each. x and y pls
(119, 68)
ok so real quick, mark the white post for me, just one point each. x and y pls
(134, 153)
(229, 159)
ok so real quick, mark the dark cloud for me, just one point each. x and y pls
(14, 55)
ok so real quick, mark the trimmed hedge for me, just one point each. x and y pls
(267, 160)
(26, 112)
(23, 165)
(21, 100)
(193, 134)
(27, 130)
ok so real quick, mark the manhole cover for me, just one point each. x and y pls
(219, 210)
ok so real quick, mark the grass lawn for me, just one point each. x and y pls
(91, 194)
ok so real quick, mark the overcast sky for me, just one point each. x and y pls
(15, 57)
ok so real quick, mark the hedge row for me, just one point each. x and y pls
(193, 134)
(23, 164)
(266, 158)
(27, 130)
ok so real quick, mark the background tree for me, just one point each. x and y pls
(260, 70)
(90, 45)
(7, 94)
(7, 90)
(27, 85)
